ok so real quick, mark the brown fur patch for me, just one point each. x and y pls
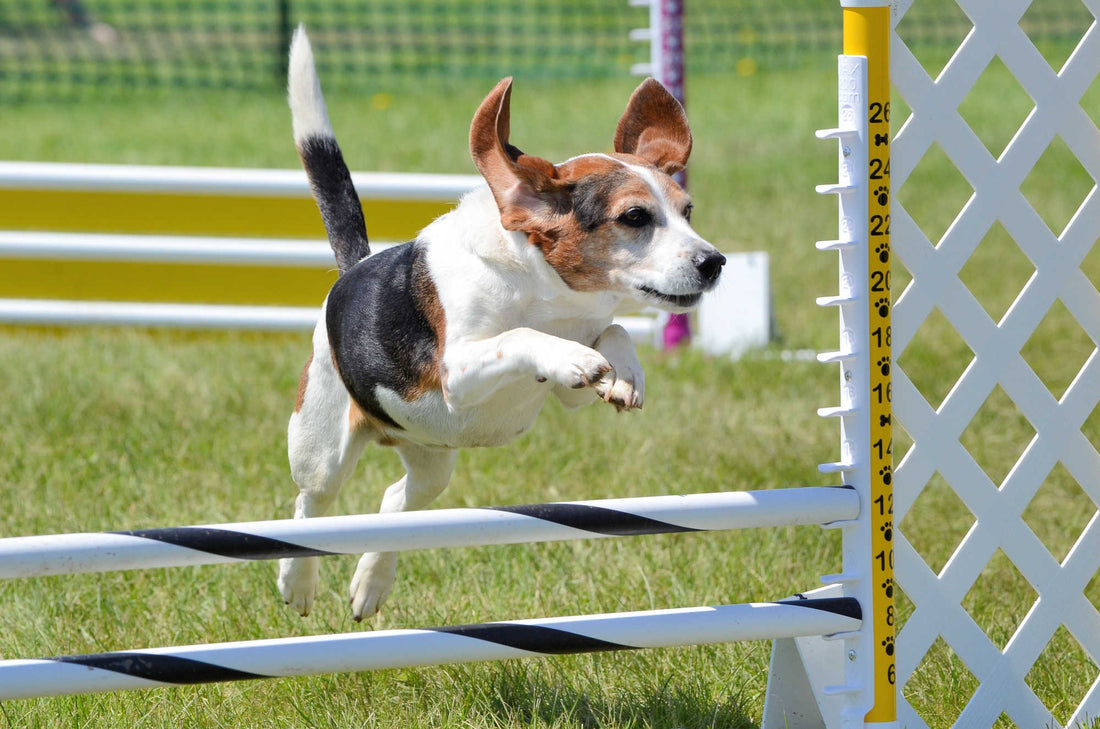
(359, 419)
(430, 377)
(581, 258)
(302, 382)
(591, 164)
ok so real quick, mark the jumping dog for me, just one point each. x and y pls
(456, 339)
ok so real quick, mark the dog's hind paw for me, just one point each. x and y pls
(371, 585)
(298, 583)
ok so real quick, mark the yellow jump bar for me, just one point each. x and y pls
(178, 201)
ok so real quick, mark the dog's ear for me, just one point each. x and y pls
(525, 187)
(655, 128)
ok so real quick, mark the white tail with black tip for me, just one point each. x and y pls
(329, 177)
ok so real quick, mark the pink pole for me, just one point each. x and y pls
(669, 69)
(669, 64)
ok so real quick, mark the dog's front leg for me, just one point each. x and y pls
(475, 370)
(624, 386)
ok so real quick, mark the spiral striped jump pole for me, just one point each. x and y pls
(193, 545)
(282, 657)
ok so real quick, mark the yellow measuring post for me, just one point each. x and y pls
(867, 34)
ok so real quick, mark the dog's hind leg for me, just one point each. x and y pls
(427, 472)
(323, 445)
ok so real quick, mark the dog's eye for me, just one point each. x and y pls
(687, 212)
(636, 218)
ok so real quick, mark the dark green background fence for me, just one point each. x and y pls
(52, 48)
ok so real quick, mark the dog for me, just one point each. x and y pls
(456, 339)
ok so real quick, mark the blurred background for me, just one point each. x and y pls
(52, 48)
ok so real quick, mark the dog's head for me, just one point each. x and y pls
(605, 222)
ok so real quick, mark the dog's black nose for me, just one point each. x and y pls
(709, 265)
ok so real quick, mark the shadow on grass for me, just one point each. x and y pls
(525, 697)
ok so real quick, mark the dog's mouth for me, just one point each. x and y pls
(679, 301)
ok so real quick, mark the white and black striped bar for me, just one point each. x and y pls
(364, 651)
(211, 544)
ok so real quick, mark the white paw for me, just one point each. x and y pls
(575, 366)
(298, 583)
(623, 387)
(371, 585)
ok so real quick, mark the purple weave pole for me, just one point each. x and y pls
(668, 25)
(669, 64)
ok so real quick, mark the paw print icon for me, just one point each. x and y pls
(882, 194)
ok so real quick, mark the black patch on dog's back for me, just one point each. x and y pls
(379, 320)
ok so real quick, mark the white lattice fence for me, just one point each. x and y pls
(1003, 688)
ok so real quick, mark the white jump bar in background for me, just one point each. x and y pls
(50, 312)
(62, 313)
(224, 181)
(169, 249)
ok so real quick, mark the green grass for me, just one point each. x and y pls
(111, 429)
(173, 434)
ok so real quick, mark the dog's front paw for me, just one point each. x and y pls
(576, 367)
(298, 583)
(623, 387)
(371, 585)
